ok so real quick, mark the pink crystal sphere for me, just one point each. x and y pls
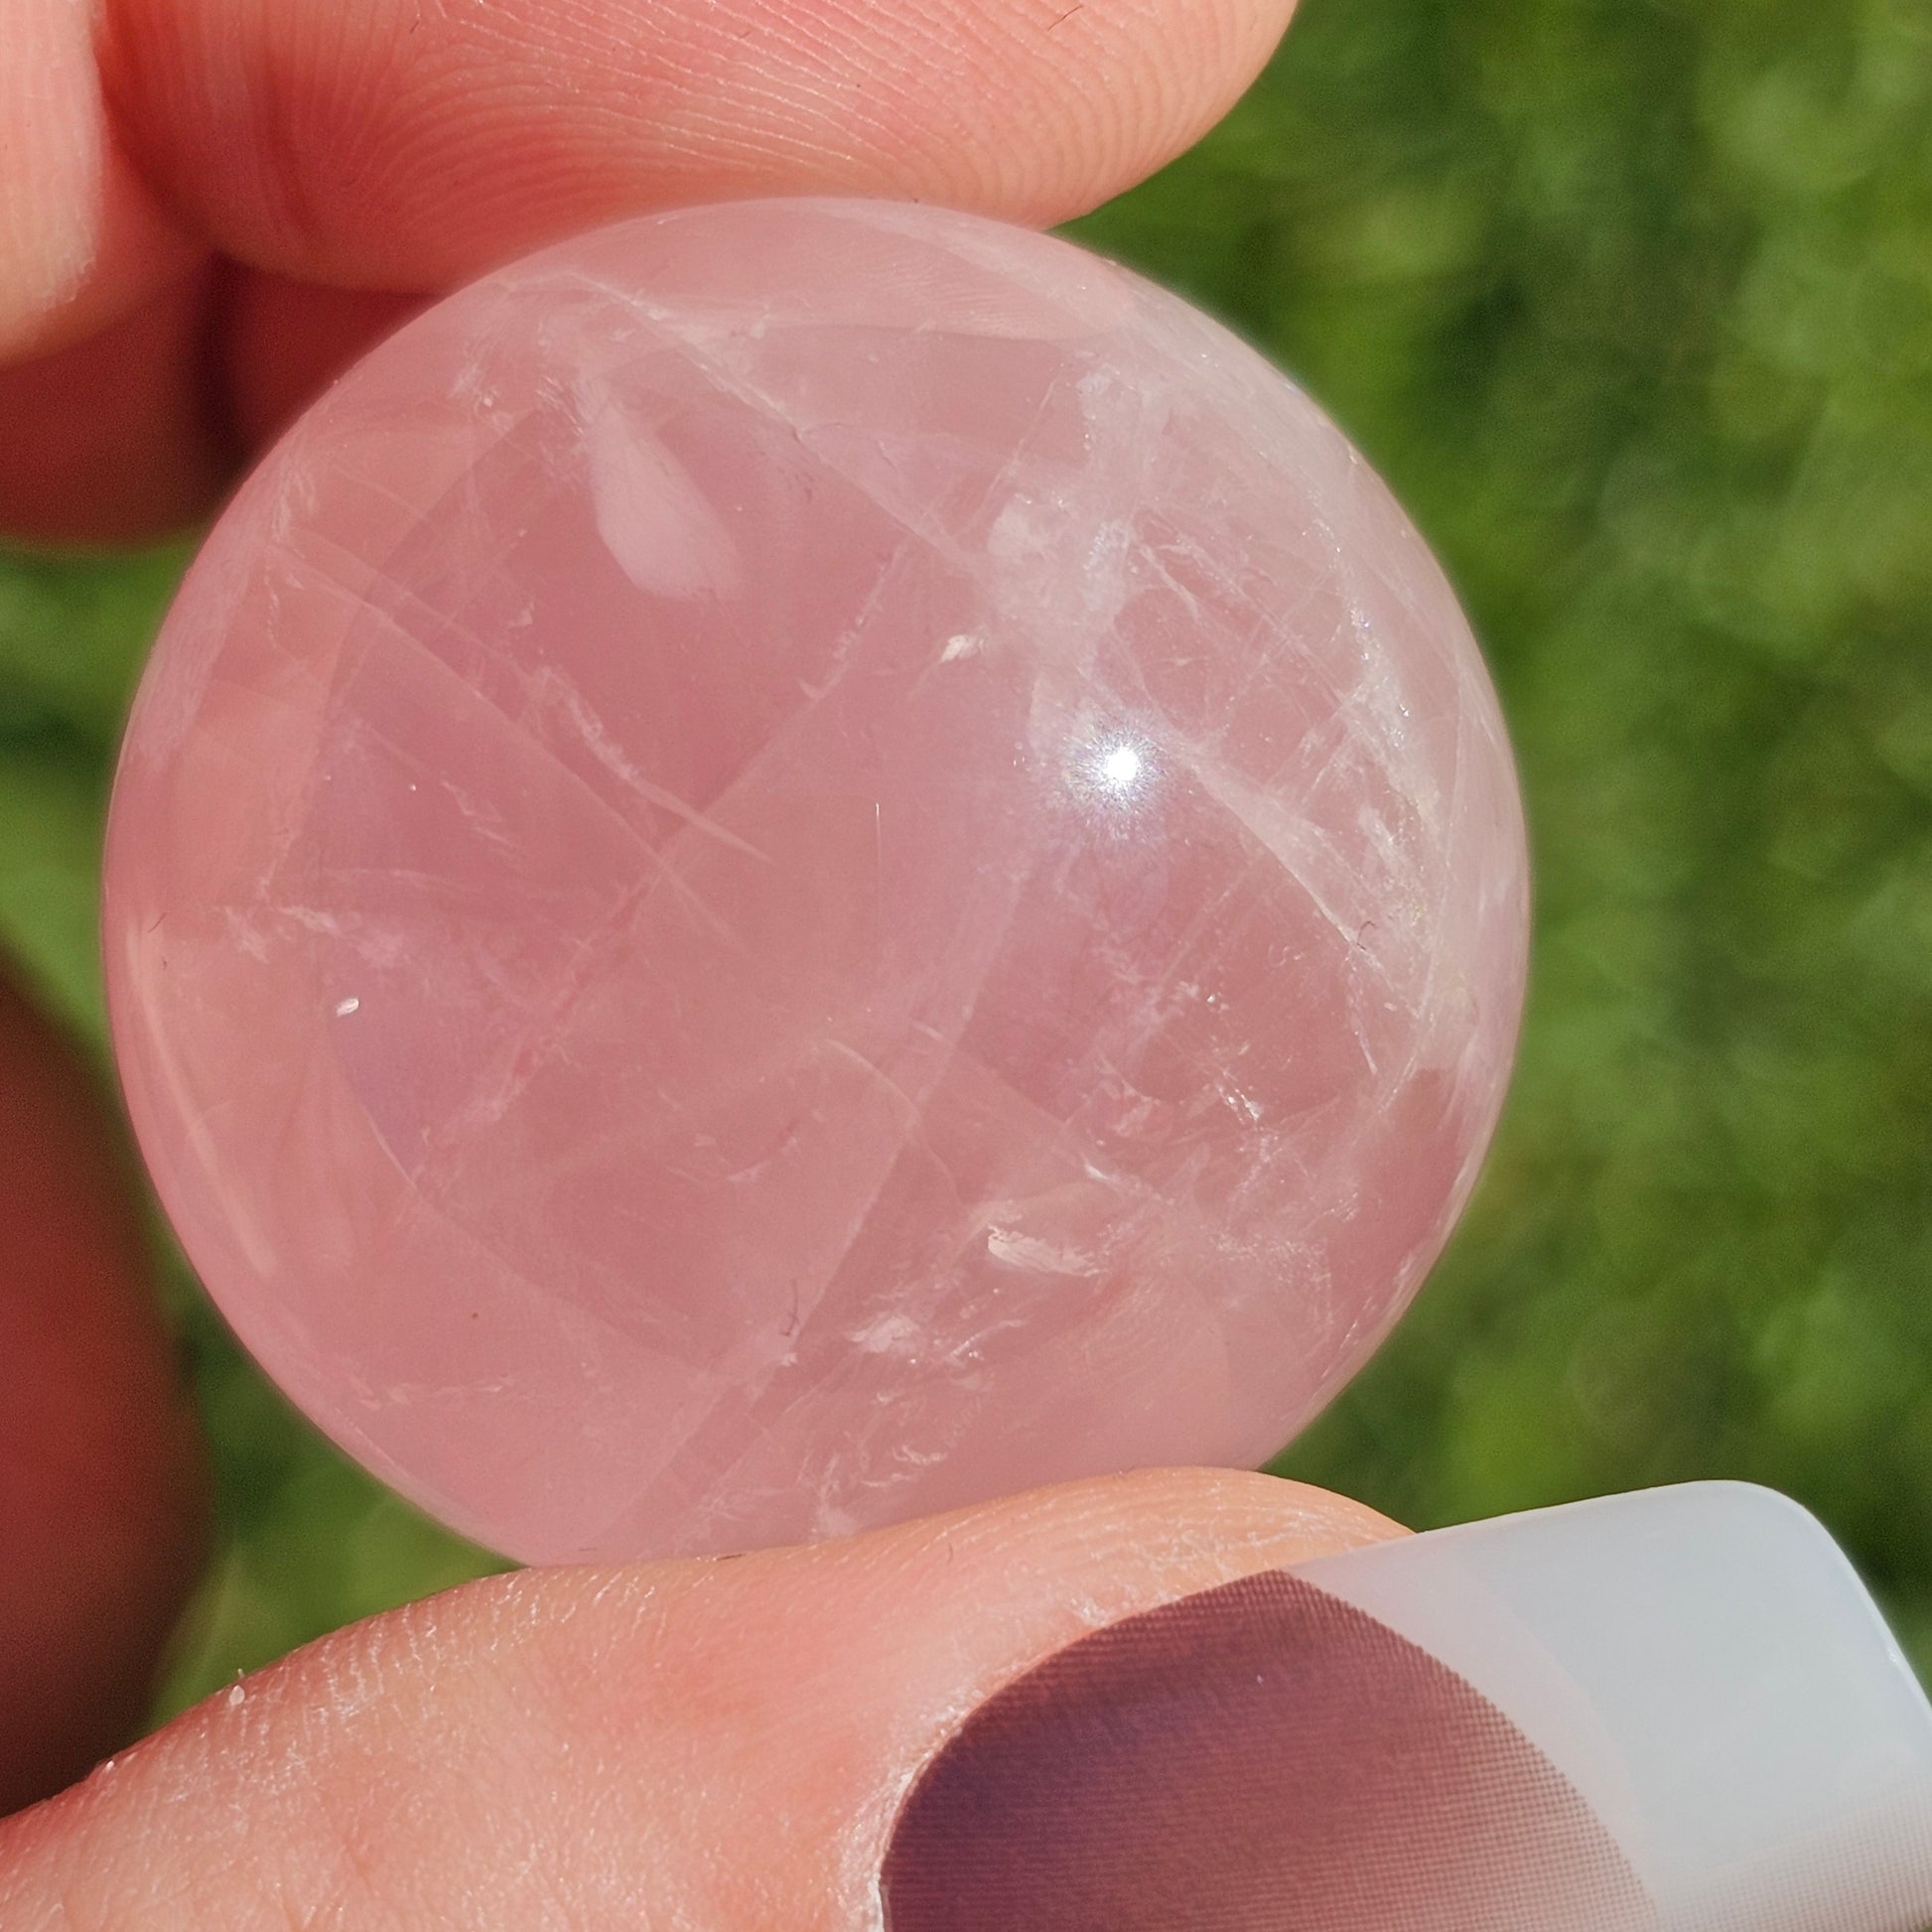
(805, 862)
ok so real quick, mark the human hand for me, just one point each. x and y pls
(212, 204)
(718, 1742)
(202, 224)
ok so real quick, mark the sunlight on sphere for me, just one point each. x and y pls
(804, 862)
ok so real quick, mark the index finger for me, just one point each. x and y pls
(407, 144)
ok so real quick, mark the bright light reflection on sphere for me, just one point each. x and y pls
(805, 862)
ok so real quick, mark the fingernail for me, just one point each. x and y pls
(1670, 1711)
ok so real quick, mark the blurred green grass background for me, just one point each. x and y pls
(1632, 304)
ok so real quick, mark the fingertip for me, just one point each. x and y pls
(1125, 89)
(716, 1741)
(393, 147)
(82, 241)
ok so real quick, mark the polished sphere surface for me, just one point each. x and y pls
(802, 862)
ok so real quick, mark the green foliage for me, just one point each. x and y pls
(1632, 304)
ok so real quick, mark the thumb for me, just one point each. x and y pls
(715, 1743)
(1173, 1701)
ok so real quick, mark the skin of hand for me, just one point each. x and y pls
(719, 1744)
(210, 206)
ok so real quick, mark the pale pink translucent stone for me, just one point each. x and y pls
(805, 862)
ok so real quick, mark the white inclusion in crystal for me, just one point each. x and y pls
(1012, 1249)
(1120, 767)
(344, 1008)
(968, 643)
(890, 1335)
(654, 519)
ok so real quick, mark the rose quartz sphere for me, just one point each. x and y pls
(805, 862)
